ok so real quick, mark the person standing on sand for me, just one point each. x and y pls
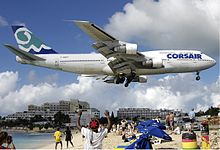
(68, 136)
(192, 117)
(168, 120)
(93, 136)
(57, 135)
(171, 119)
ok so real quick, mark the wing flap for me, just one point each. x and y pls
(23, 54)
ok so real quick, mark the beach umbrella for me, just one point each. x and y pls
(154, 131)
(153, 123)
(144, 140)
(142, 143)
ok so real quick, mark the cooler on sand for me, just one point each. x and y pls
(189, 140)
(205, 135)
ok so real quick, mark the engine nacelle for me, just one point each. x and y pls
(140, 79)
(157, 63)
(110, 80)
(153, 63)
(127, 48)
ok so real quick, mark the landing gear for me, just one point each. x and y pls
(130, 78)
(197, 77)
(120, 80)
(126, 84)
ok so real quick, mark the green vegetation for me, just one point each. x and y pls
(37, 121)
(60, 118)
(212, 111)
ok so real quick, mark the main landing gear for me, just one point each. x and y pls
(130, 78)
(122, 78)
(197, 77)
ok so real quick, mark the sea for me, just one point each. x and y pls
(25, 140)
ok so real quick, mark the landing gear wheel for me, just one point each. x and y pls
(120, 80)
(198, 77)
(117, 81)
(126, 84)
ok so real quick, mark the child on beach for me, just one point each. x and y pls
(93, 136)
(68, 137)
(57, 135)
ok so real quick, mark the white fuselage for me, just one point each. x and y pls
(174, 61)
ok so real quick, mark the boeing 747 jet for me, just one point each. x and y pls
(116, 62)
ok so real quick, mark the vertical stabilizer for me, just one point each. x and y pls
(28, 42)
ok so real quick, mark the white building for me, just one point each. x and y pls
(144, 113)
(48, 110)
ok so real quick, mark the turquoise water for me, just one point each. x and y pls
(31, 140)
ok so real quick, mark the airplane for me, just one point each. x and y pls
(116, 62)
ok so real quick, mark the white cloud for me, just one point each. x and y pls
(176, 92)
(7, 82)
(33, 78)
(191, 24)
(3, 22)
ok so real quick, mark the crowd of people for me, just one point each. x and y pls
(95, 132)
(125, 129)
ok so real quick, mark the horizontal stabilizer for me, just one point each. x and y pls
(23, 54)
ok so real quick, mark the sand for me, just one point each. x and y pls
(112, 141)
(109, 142)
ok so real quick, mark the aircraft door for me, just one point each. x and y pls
(57, 63)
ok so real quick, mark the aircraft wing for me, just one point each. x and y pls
(94, 31)
(126, 56)
(23, 54)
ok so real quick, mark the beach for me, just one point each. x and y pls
(112, 141)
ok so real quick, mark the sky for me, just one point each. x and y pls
(163, 24)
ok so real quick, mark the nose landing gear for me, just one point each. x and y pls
(197, 77)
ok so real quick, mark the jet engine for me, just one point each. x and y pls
(20, 60)
(153, 63)
(127, 48)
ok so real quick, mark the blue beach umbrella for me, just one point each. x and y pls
(148, 128)
(142, 143)
(153, 123)
(158, 133)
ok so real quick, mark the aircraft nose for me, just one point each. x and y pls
(213, 62)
